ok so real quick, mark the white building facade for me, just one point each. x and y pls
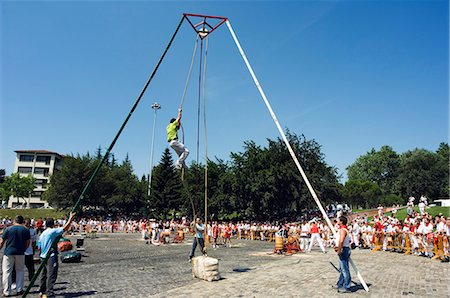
(41, 164)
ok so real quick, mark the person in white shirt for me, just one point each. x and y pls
(304, 235)
(355, 233)
(29, 252)
(422, 208)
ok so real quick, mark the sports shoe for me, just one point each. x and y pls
(344, 290)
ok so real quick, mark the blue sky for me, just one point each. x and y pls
(353, 75)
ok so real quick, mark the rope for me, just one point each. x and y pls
(184, 94)
(189, 73)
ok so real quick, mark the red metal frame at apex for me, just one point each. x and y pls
(204, 23)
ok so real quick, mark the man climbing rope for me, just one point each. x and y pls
(172, 138)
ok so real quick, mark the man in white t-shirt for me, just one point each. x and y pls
(422, 208)
(304, 235)
(29, 253)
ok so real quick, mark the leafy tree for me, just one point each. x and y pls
(115, 189)
(166, 187)
(126, 192)
(364, 194)
(67, 184)
(423, 173)
(267, 184)
(17, 186)
(380, 167)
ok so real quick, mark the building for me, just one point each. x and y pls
(41, 164)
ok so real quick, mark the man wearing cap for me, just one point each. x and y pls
(172, 138)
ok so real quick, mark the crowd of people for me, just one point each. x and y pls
(418, 234)
(22, 238)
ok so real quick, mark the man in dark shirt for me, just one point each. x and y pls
(16, 239)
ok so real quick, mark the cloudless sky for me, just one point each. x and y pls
(353, 75)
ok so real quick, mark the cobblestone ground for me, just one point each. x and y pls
(121, 265)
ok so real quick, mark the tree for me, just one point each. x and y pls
(166, 187)
(67, 184)
(423, 172)
(125, 191)
(115, 190)
(267, 185)
(17, 186)
(364, 194)
(380, 167)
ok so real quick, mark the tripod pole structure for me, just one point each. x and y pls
(291, 151)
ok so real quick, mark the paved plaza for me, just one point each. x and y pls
(122, 265)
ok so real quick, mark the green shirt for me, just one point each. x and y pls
(172, 130)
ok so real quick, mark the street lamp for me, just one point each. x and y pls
(155, 106)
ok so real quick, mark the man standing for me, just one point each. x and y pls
(50, 271)
(315, 236)
(422, 207)
(17, 239)
(198, 229)
(29, 252)
(343, 251)
(172, 138)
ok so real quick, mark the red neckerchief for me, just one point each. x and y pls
(343, 227)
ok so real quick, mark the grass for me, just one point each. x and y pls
(32, 213)
(401, 214)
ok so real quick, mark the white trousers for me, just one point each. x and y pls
(181, 151)
(303, 242)
(316, 236)
(356, 239)
(7, 268)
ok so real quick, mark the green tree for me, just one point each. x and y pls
(17, 186)
(363, 194)
(115, 189)
(423, 172)
(167, 187)
(125, 193)
(380, 167)
(268, 185)
(67, 184)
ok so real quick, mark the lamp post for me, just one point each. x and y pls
(155, 106)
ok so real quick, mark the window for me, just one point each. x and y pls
(41, 171)
(45, 159)
(24, 170)
(36, 194)
(42, 183)
(26, 157)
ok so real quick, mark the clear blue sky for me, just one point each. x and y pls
(350, 74)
